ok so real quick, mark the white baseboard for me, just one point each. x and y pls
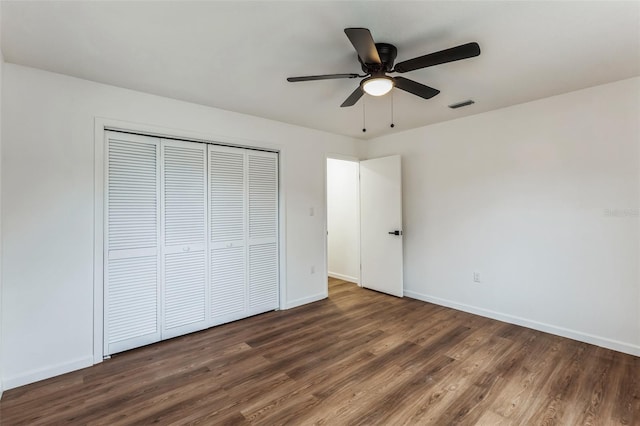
(547, 328)
(305, 300)
(47, 372)
(344, 277)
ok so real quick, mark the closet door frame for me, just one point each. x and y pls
(103, 125)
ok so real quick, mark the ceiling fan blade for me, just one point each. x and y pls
(415, 88)
(457, 53)
(364, 45)
(321, 77)
(353, 97)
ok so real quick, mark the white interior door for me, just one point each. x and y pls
(381, 225)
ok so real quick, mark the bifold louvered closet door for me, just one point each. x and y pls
(184, 237)
(244, 232)
(227, 212)
(191, 237)
(262, 196)
(132, 255)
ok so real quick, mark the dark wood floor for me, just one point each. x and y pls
(359, 357)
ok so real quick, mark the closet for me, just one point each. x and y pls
(191, 237)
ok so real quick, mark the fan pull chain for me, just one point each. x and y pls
(364, 127)
(392, 125)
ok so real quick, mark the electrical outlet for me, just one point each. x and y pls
(476, 277)
(313, 269)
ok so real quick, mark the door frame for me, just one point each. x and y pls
(101, 126)
(335, 156)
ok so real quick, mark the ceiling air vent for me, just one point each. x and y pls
(461, 104)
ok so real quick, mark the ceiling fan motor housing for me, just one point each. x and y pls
(387, 53)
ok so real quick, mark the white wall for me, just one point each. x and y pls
(48, 196)
(521, 195)
(518, 194)
(343, 219)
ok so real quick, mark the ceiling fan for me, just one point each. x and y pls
(377, 59)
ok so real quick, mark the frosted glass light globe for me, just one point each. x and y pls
(377, 86)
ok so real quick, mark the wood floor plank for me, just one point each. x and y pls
(522, 389)
(433, 403)
(359, 357)
(400, 398)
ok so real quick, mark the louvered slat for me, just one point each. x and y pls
(227, 281)
(132, 295)
(184, 195)
(263, 276)
(226, 177)
(263, 196)
(184, 289)
(132, 195)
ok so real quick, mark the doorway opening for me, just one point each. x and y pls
(343, 220)
(364, 223)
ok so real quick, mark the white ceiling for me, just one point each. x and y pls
(237, 55)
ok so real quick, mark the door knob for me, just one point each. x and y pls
(395, 232)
